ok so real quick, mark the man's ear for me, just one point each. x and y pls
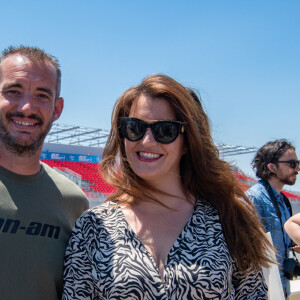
(271, 167)
(58, 108)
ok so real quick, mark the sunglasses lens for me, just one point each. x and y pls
(133, 129)
(294, 163)
(165, 132)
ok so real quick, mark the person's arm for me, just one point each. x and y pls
(78, 283)
(292, 228)
(250, 285)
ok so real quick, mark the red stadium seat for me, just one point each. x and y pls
(88, 171)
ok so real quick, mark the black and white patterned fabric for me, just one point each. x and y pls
(106, 260)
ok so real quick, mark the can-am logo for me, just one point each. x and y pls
(34, 228)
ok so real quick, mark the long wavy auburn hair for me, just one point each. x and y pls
(204, 175)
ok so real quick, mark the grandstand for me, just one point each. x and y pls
(76, 152)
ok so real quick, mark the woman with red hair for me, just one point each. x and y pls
(176, 227)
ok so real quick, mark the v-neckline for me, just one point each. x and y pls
(177, 241)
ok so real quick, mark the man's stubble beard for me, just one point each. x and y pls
(12, 145)
(287, 180)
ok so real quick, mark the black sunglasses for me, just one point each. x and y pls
(164, 132)
(294, 163)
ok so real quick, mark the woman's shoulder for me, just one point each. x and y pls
(104, 211)
(205, 213)
(206, 208)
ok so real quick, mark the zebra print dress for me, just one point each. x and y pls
(106, 260)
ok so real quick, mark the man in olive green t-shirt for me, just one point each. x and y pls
(38, 206)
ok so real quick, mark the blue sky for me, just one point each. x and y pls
(243, 57)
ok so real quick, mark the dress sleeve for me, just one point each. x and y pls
(250, 285)
(78, 282)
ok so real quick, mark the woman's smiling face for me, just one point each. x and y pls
(149, 159)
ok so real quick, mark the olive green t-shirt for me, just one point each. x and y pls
(37, 213)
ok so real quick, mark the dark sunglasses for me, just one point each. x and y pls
(164, 132)
(294, 163)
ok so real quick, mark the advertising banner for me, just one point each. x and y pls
(70, 157)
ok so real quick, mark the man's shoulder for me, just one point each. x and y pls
(63, 184)
(257, 192)
(58, 177)
(54, 173)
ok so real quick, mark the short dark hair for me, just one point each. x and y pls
(269, 153)
(35, 55)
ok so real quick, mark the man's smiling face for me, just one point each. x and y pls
(27, 103)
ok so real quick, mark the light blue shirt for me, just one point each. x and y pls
(266, 210)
